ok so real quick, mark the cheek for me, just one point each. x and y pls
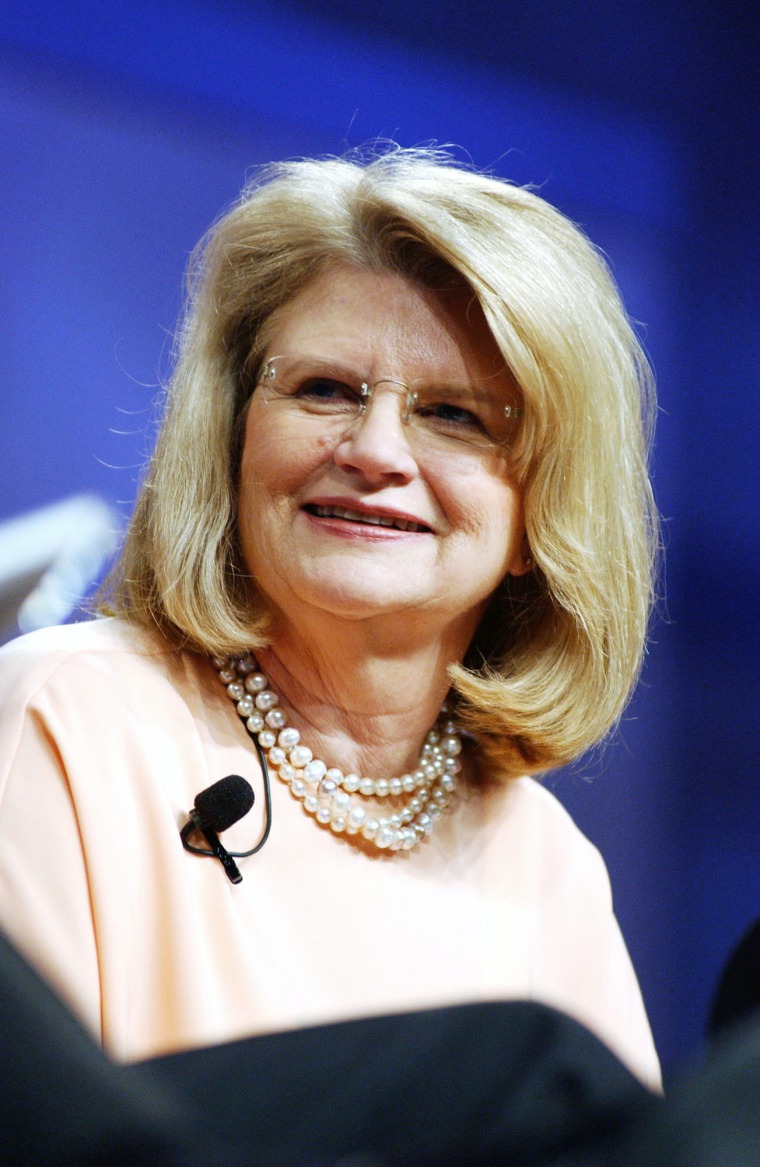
(262, 469)
(488, 509)
(498, 529)
(275, 462)
(268, 471)
(274, 467)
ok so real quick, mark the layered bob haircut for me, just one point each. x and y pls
(559, 649)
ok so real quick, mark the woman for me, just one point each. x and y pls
(397, 531)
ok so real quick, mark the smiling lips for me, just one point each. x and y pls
(375, 519)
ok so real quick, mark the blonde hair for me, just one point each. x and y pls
(559, 650)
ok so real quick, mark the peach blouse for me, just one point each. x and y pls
(107, 735)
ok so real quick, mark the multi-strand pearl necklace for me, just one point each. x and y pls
(419, 797)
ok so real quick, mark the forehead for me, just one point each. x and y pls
(383, 322)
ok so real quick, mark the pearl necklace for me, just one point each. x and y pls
(325, 792)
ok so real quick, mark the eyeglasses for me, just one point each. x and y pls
(440, 416)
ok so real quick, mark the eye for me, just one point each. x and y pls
(451, 417)
(326, 394)
(457, 415)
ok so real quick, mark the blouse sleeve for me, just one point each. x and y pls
(582, 965)
(45, 903)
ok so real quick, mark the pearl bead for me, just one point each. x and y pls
(336, 774)
(327, 787)
(341, 801)
(256, 683)
(267, 739)
(298, 787)
(276, 756)
(275, 719)
(300, 755)
(452, 746)
(288, 738)
(408, 783)
(236, 691)
(255, 723)
(323, 814)
(385, 836)
(382, 787)
(311, 802)
(370, 828)
(315, 770)
(367, 787)
(245, 706)
(357, 817)
(396, 786)
(338, 825)
(245, 666)
(289, 773)
(351, 783)
(227, 676)
(267, 700)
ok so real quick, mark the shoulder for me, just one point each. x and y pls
(529, 833)
(540, 807)
(66, 642)
(62, 655)
(538, 810)
(99, 677)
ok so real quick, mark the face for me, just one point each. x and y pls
(361, 522)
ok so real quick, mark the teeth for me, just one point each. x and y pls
(363, 517)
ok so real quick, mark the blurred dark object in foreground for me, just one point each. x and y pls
(512, 1083)
(738, 992)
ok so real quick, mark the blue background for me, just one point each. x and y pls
(126, 127)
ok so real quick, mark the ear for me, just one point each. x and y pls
(522, 562)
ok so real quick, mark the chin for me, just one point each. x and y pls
(360, 605)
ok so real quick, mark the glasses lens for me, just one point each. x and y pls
(461, 414)
(311, 390)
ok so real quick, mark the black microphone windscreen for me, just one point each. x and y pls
(221, 805)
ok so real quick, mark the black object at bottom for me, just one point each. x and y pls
(516, 1084)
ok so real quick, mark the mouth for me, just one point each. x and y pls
(373, 518)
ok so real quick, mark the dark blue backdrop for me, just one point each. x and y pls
(125, 127)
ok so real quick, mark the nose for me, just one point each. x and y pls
(376, 444)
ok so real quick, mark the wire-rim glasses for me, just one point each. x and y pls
(443, 416)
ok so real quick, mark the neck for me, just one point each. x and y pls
(362, 702)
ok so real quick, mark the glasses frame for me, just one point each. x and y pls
(268, 373)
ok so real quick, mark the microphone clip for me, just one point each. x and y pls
(195, 823)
